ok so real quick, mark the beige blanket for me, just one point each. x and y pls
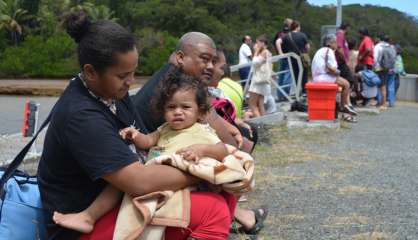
(146, 217)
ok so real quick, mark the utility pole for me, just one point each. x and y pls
(339, 13)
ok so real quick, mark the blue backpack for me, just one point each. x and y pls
(370, 78)
(21, 214)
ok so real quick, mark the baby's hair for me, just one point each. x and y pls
(176, 80)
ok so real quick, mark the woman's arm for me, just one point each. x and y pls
(137, 179)
(226, 132)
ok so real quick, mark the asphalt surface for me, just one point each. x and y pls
(361, 183)
(11, 111)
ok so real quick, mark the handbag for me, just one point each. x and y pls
(263, 72)
(304, 57)
(21, 213)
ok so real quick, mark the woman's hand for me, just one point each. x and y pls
(129, 133)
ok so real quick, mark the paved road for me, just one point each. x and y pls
(11, 111)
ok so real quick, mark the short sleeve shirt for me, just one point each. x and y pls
(299, 39)
(244, 54)
(367, 43)
(323, 57)
(82, 144)
(172, 140)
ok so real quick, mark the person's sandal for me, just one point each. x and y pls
(349, 118)
(258, 225)
(349, 110)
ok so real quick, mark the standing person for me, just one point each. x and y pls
(365, 55)
(384, 66)
(245, 56)
(260, 82)
(399, 67)
(297, 42)
(284, 78)
(343, 53)
(83, 151)
(353, 55)
(325, 69)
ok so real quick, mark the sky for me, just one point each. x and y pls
(408, 6)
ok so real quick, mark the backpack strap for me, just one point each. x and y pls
(12, 168)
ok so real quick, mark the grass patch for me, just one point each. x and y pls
(357, 189)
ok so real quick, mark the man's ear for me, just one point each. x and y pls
(180, 58)
(90, 74)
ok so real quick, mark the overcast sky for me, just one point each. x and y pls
(408, 6)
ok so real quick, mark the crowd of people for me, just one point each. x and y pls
(367, 71)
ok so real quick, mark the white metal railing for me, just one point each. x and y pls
(295, 85)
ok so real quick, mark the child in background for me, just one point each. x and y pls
(399, 67)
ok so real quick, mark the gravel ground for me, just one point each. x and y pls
(355, 183)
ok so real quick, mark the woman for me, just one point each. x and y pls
(83, 151)
(260, 82)
(325, 69)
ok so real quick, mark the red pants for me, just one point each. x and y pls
(210, 217)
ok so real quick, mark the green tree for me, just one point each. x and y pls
(13, 19)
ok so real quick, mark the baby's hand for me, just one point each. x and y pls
(191, 153)
(129, 133)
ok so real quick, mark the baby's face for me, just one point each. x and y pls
(181, 111)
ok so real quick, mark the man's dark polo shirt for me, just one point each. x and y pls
(142, 100)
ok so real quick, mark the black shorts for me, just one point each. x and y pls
(345, 72)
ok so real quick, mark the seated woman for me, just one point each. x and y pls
(184, 103)
(325, 69)
(83, 151)
(226, 107)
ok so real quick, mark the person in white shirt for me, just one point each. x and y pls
(325, 69)
(245, 56)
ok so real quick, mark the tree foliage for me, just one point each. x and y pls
(158, 24)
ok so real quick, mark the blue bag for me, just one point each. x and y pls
(370, 78)
(21, 214)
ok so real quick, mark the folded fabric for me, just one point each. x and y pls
(146, 217)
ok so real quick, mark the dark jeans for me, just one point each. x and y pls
(284, 78)
(243, 75)
(397, 83)
(304, 74)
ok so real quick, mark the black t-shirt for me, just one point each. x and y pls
(82, 144)
(300, 40)
(142, 100)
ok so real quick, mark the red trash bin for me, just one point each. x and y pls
(321, 100)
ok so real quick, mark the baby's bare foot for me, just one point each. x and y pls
(81, 222)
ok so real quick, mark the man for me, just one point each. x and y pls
(297, 42)
(384, 65)
(194, 53)
(245, 56)
(284, 78)
(365, 55)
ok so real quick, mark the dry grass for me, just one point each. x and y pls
(372, 236)
(357, 189)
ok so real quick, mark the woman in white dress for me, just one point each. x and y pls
(260, 81)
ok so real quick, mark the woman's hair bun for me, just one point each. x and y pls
(77, 24)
